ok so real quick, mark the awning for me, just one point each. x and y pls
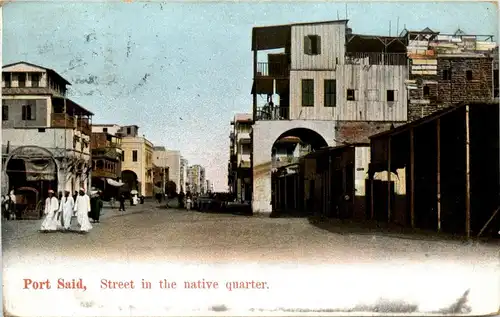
(114, 183)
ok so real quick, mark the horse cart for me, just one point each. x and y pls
(28, 203)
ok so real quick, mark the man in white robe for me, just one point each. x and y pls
(66, 209)
(82, 209)
(50, 223)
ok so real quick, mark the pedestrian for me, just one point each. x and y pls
(181, 199)
(82, 208)
(122, 202)
(12, 204)
(50, 222)
(68, 203)
(5, 207)
(75, 195)
(96, 207)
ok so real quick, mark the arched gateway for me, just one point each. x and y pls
(30, 166)
(277, 143)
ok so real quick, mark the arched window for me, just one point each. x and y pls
(427, 91)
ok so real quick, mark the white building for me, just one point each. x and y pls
(196, 179)
(173, 159)
(240, 156)
(183, 173)
(324, 79)
(112, 129)
(45, 135)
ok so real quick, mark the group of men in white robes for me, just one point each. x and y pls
(58, 214)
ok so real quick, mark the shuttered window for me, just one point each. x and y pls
(5, 113)
(134, 156)
(312, 45)
(307, 93)
(330, 93)
(28, 112)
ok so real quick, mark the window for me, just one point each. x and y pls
(447, 74)
(5, 113)
(312, 45)
(129, 131)
(468, 74)
(307, 93)
(35, 80)
(7, 78)
(123, 155)
(390, 95)
(41, 129)
(330, 93)
(134, 156)
(21, 80)
(105, 130)
(427, 91)
(351, 94)
(28, 112)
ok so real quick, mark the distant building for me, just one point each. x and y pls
(240, 172)
(160, 161)
(196, 179)
(210, 186)
(45, 135)
(183, 173)
(106, 158)
(173, 159)
(137, 161)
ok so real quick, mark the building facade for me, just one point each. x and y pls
(324, 75)
(106, 159)
(173, 159)
(161, 175)
(45, 135)
(183, 174)
(137, 161)
(449, 69)
(239, 173)
(196, 179)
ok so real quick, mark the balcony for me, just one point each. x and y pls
(62, 120)
(276, 70)
(244, 137)
(83, 126)
(276, 113)
(393, 59)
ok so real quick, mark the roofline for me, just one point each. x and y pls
(301, 23)
(46, 69)
(89, 113)
(429, 118)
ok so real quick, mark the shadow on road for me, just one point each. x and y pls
(373, 228)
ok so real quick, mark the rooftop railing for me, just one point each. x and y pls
(394, 59)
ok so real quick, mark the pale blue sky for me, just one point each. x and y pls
(151, 64)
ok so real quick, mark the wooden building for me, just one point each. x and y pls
(450, 163)
(329, 183)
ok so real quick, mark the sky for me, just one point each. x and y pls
(180, 71)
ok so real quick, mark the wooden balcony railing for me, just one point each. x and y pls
(62, 120)
(358, 58)
(273, 70)
(283, 161)
(277, 113)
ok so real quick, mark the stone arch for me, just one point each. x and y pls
(265, 134)
(130, 179)
(40, 159)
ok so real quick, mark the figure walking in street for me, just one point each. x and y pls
(122, 202)
(96, 207)
(12, 204)
(181, 200)
(82, 209)
(68, 203)
(50, 223)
